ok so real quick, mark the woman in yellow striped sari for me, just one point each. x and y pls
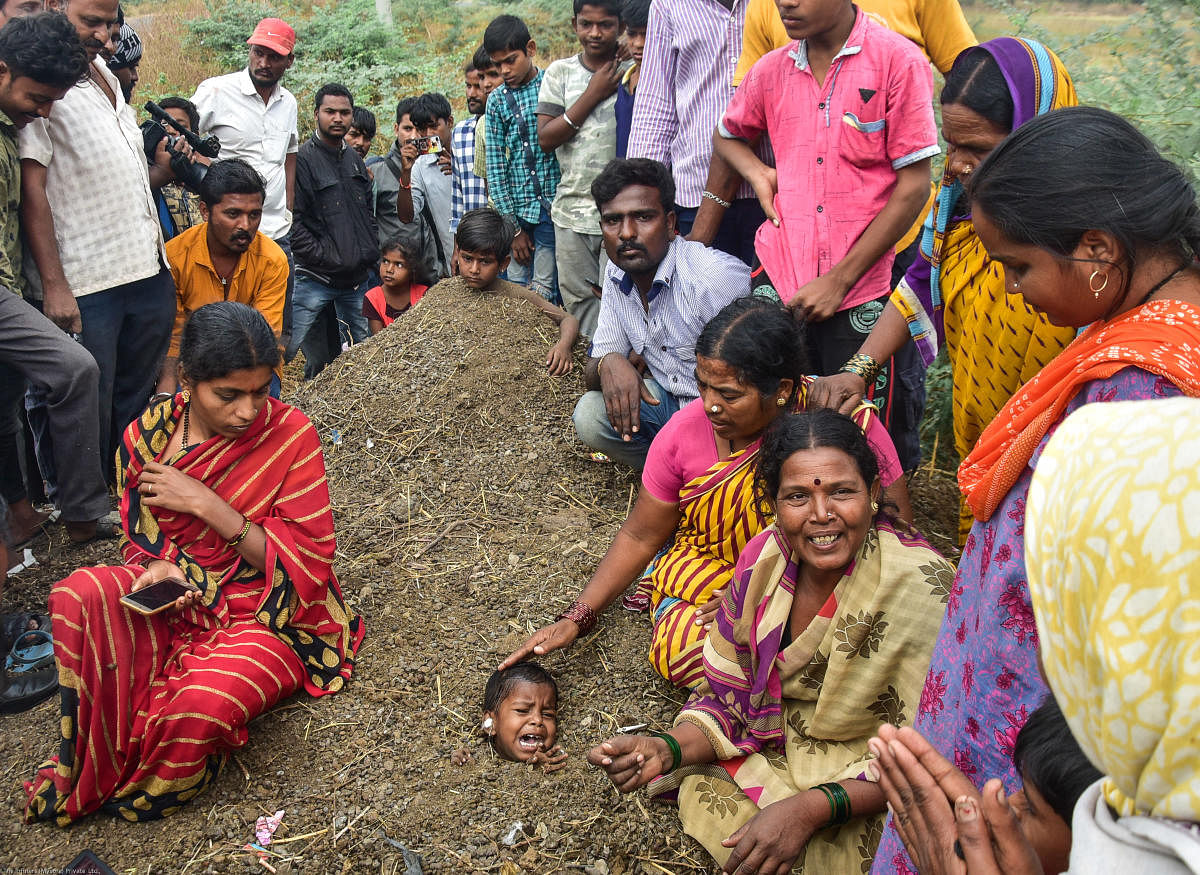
(697, 489)
(954, 294)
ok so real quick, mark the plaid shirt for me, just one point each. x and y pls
(470, 191)
(510, 182)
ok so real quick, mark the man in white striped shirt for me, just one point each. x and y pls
(659, 291)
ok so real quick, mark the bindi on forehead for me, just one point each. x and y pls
(816, 481)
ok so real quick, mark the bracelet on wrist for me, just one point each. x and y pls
(864, 366)
(567, 119)
(839, 803)
(240, 536)
(676, 751)
(581, 615)
(717, 200)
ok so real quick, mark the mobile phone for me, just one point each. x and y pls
(157, 596)
(428, 145)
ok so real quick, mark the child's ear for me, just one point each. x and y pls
(531, 48)
(488, 725)
(504, 263)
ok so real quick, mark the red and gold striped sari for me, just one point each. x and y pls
(152, 706)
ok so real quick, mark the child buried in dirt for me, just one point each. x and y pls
(481, 252)
(520, 716)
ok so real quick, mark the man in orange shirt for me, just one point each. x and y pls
(226, 258)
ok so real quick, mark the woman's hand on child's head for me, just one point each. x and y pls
(548, 638)
(631, 761)
(559, 361)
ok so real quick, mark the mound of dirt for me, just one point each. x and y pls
(467, 515)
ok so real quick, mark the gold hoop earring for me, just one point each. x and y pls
(1092, 283)
(187, 396)
(874, 507)
(779, 402)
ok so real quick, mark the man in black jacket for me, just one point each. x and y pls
(333, 232)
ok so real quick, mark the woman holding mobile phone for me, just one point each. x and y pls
(223, 488)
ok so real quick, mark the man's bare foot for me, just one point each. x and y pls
(24, 521)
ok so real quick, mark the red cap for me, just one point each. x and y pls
(274, 34)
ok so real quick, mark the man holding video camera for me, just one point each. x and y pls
(426, 189)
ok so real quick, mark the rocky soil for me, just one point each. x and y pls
(467, 515)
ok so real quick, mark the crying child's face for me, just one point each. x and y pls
(526, 722)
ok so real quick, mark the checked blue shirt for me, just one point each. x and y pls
(470, 191)
(508, 171)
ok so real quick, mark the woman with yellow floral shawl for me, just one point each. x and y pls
(1113, 554)
(696, 488)
(954, 295)
(824, 633)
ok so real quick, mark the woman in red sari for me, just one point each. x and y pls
(225, 488)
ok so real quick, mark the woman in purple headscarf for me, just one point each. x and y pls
(954, 294)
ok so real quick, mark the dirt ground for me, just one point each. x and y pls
(467, 515)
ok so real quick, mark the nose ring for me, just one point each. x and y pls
(715, 409)
(829, 515)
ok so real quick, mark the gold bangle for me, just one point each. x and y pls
(863, 366)
(240, 536)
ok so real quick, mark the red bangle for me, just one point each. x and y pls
(581, 615)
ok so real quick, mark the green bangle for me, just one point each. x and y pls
(839, 803)
(676, 751)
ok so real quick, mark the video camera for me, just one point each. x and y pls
(159, 125)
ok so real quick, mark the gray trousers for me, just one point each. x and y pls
(580, 259)
(34, 350)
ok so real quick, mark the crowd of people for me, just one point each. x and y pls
(731, 201)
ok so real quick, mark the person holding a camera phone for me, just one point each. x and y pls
(425, 185)
(227, 602)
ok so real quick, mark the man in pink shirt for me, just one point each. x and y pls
(848, 108)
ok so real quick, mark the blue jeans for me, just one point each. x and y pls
(594, 429)
(310, 298)
(285, 243)
(540, 274)
(127, 330)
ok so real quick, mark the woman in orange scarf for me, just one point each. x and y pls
(1093, 228)
(224, 489)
